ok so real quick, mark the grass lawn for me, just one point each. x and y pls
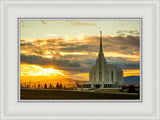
(54, 94)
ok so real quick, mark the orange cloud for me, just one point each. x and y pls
(77, 55)
(79, 23)
(34, 70)
(43, 22)
(131, 72)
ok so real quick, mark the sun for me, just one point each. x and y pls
(35, 70)
(51, 71)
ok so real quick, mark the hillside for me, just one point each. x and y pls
(34, 82)
(131, 79)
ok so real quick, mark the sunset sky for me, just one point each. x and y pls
(69, 49)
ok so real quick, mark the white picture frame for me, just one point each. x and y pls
(148, 108)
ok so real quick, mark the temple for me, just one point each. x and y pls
(104, 75)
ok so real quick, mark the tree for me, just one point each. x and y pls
(28, 86)
(57, 86)
(45, 86)
(39, 85)
(122, 89)
(50, 86)
(131, 89)
(21, 85)
(60, 86)
(34, 85)
(77, 84)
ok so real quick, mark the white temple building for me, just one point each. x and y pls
(104, 75)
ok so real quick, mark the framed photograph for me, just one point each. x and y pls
(80, 60)
(75, 65)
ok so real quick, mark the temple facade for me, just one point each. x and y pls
(104, 75)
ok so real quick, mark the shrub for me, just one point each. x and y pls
(131, 89)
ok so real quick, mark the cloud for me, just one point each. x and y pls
(45, 62)
(123, 45)
(128, 32)
(90, 61)
(126, 45)
(70, 67)
(22, 23)
(24, 44)
(123, 63)
(65, 54)
(76, 48)
(43, 22)
(89, 44)
(51, 35)
(60, 22)
(21, 41)
(78, 23)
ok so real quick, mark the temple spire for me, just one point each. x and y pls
(101, 49)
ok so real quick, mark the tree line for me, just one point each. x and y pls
(58, 86)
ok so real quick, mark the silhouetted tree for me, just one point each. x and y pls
(34, 85)
(25, 85)
(122, 89)
(77, 84)
(131, 89)
(39, 85)
(28, 86)
(21, 85)
(60, 86)
(57, 86)
(50, 86)
(45, 86)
